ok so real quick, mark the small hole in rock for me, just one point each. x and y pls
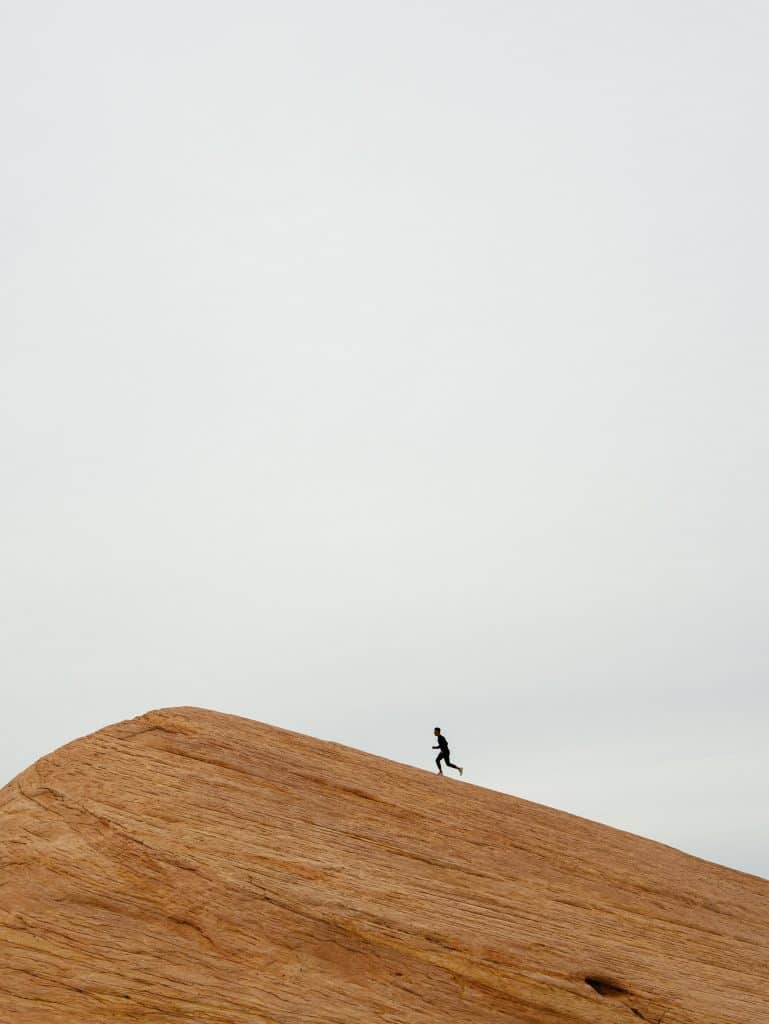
(605, 988)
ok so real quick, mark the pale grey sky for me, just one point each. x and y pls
(371, 366)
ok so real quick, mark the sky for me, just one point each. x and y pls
(366, 367)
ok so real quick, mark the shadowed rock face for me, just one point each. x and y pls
(191, 866)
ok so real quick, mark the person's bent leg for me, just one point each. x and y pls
(438, 760)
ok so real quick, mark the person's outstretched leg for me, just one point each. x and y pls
(454, 766)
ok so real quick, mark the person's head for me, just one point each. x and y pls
(437, 731)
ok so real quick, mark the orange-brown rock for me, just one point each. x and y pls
(188, 866)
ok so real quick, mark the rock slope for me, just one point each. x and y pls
(189, 866)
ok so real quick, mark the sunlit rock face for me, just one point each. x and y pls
(189, 866)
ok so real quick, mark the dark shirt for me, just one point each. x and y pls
(443, 743)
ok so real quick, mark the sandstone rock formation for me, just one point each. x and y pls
(193, 867)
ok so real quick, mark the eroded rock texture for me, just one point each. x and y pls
(188, 866)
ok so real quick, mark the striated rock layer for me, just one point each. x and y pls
(189, 866)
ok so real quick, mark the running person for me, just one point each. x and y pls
(443, 746)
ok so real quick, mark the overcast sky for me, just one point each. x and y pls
(368, 366)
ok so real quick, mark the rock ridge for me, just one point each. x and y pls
(190, 866)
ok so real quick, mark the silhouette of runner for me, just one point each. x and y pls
(443, 746)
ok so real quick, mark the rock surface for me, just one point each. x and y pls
(189, 866)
